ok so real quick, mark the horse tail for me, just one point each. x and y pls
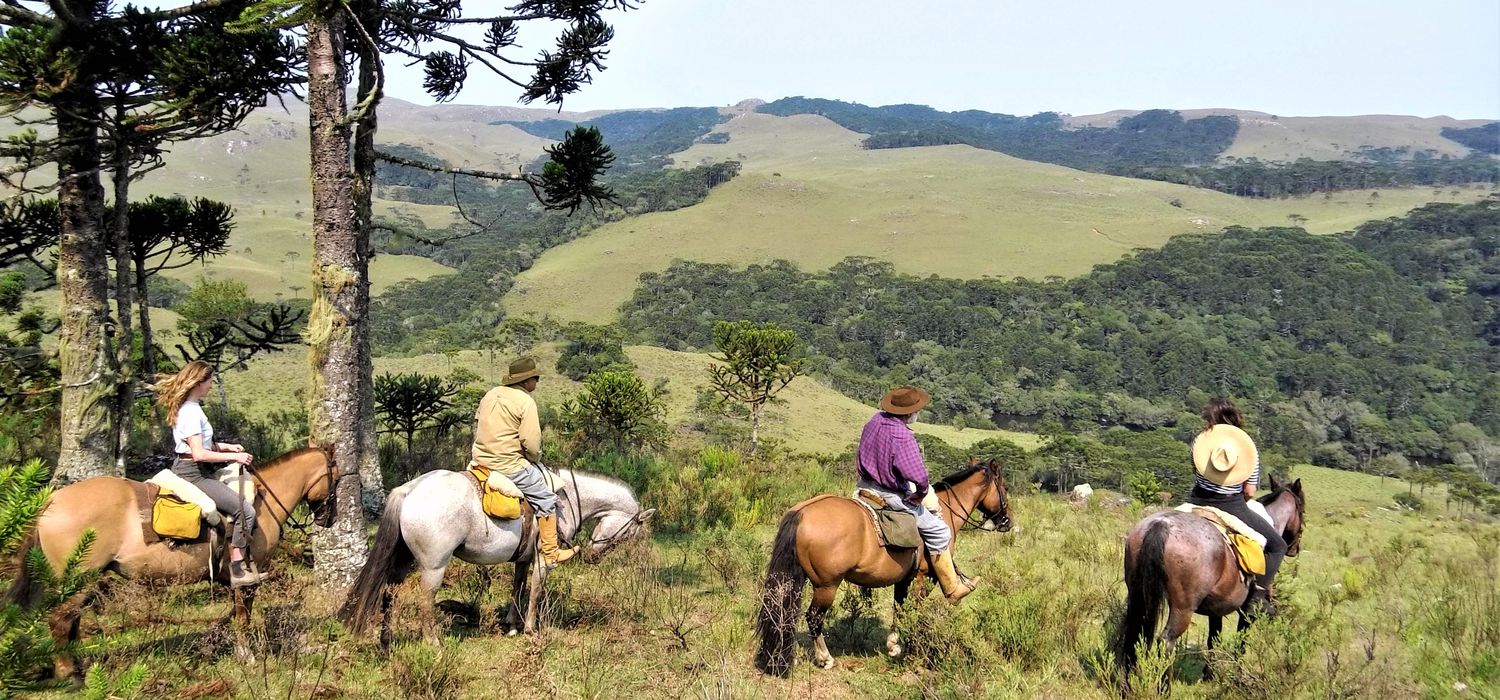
(389, 562)
(780, 599)
(1145, 591)
(25, 591)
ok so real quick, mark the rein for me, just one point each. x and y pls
(265, 487)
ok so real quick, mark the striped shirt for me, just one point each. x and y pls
(1225, 489)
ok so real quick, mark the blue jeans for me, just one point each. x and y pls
(534, 486)
(935, 533)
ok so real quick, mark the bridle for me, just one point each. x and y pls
(966, 515)
(625, 531)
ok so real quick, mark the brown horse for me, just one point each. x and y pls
(107, 505)
(1181, 559)
(828, 540)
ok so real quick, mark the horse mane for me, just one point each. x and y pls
(600, 477)
(276, 461)
(957, 477)
(1281, 488)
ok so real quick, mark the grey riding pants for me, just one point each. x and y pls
(225, 499)
(534, 486)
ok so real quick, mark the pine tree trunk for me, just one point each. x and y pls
(84, 355)
(124, 288)
(372, 485)
(148, 353)
(755, 412)
(337, 321)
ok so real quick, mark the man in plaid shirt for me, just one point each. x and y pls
(890, 464)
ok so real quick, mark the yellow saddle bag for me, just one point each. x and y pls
(1252, 557)
(496, 504)
(173, 517)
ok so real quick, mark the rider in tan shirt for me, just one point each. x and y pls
(508, 440)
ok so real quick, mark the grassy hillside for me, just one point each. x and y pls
(809, 194)
(1271, 137)
(814, 417)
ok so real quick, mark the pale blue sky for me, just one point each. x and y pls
(1306, 57)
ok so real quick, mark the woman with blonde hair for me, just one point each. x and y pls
(196, 450)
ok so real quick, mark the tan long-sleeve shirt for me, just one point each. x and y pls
(508, 435)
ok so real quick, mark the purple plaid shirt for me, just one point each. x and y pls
(889, 456)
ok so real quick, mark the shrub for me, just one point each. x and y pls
(427, 672)
(591, 349)
(1409, 501)
(615, 410)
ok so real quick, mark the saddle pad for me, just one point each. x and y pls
(495, 503)
(185, 490)
(230, 476)
(895, 528)
(1249, 551)
(1225, 521)
(173, 517)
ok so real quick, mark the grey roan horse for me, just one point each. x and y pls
(1180, 559)
(438, 516)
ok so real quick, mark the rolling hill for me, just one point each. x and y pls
(809, 194)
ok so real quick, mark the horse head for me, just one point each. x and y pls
(996, 501)
(1291, 530)
(613, 528)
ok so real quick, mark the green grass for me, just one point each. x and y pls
(814, 418)
(1378, 604)
(810, 195)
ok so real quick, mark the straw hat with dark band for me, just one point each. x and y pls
(520, 371)
(904, 400)
(1224, 455)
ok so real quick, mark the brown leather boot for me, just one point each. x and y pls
(955, 587)
(546, 535)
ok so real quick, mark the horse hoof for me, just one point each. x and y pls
(512, 632)
(824, 664)
(894, 650)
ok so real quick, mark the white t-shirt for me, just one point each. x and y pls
(192, 421)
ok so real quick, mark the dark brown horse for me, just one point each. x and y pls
(828, 540)
(1182, 560)
(107, 505)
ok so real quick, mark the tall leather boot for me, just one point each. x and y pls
(954, 586)
(546, 535)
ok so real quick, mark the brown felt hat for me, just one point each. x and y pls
(1225, 455)
(520, 371)
(904, 400)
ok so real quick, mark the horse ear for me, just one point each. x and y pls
(1274, 484)
(1297, 487)
(646, 515)
(993, 466)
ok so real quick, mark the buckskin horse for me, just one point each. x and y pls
(1182, 559)
(107, 505)
(827, 540)
(438, 516)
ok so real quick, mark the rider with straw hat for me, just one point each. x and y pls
(890, 464)
(1228, 467)
(508, 442)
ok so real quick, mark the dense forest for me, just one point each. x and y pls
(1156, 144)
(1345, 349)
(1485, 139)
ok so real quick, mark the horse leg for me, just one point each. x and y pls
(1178, 621)
(387, 599)
(64, 626)
(1215, 626)
(822, 600)
(537, 579)
(518, 592)
(431, 580)
(244, 600)
(893, 646)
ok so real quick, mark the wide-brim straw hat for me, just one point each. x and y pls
(904, 400)
(1225, 455)
(520, 371)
